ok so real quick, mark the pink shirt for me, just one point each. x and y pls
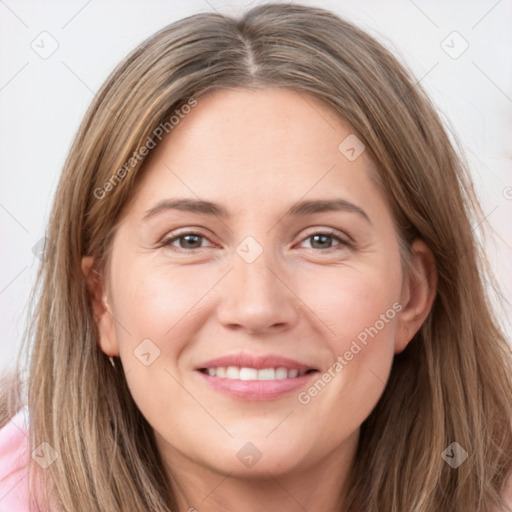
(14, 496)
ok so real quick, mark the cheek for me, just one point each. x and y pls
(355, 301)
(156, 302)
(154, 323)
(361, 310)
(158, 310)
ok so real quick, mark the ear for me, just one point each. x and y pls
(102, 310)
(418, 293)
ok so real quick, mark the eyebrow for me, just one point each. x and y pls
(299, 209)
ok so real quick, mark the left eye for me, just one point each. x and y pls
(321, 240)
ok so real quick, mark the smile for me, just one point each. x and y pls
(244, 373)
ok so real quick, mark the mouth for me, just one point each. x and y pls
(252, 377)
(248, 373)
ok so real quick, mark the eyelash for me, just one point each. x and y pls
(343, 243)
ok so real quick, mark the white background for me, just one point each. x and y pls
(43, 100)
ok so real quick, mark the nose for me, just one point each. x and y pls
(257, 297)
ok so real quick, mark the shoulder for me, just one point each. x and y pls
(14, 458)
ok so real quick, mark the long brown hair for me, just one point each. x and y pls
(451, 384)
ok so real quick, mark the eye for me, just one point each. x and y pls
(188, 240)
(324, 239)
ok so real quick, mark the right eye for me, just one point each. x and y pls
(187, 241)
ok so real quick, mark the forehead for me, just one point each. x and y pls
(256, 147)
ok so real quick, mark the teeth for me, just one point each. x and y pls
(281, 373)
(248, 374)
(233, 372)
(267, 374)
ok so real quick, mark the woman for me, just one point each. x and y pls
(324, 343)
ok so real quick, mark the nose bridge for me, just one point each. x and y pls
(254, 296)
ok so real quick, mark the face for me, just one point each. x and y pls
(290, 269)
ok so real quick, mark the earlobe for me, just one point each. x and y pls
(101, 309)
(418, 293)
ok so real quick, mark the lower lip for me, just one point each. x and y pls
(256, 390)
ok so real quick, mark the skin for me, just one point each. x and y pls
(257, 153)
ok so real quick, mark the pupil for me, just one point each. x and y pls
(188, 241)
(322, 239)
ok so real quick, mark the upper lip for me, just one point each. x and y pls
(259, 362)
